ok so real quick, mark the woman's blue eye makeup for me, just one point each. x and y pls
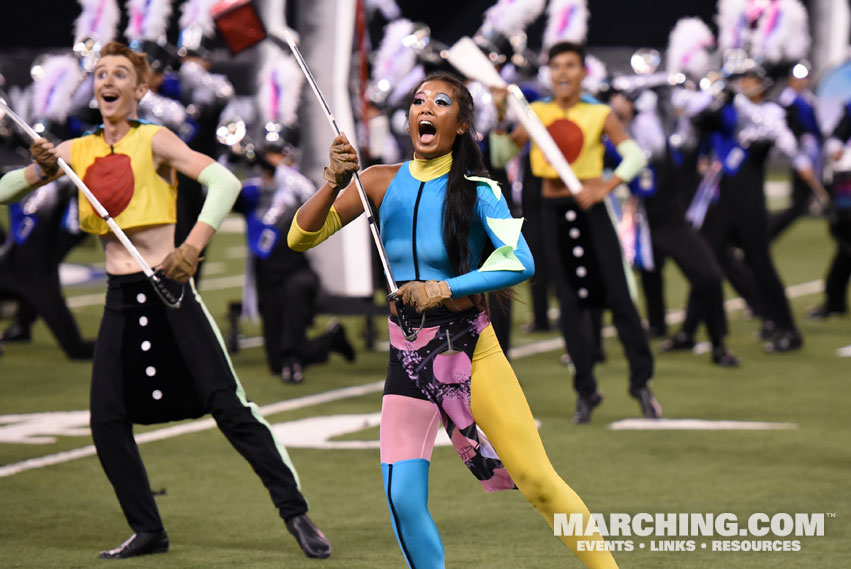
(441, 99)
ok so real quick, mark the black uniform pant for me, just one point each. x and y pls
(30, 273)
(41, 293)
(179, 369)
(287, 303)
(742, 278)
(743, 281)
(798, 206)
(740, 218)
(609, 289)
(499, 312)
(653, 286)
(539, 285)
(836, 282)
(693, 256)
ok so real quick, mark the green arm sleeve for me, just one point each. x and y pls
(13, 185)
(222, 190)
(300, 240)
(633, 160)
(502, 149)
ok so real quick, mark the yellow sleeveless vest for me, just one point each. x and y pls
(124, 179)
(577, 131)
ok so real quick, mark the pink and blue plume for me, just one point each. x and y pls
(147, 19)
(395, 57)
(197, 13)
(98, 19)
(690, 44)
(567, 20)
(509, 17)
(279, 90)
(53, 91)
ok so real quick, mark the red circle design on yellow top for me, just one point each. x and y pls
(568, 136)
(111, 180)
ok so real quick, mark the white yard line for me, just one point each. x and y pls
(196, 426)
(549, 345)
(698, 425)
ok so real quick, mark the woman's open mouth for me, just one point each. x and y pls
(110, 98)
(427, 131)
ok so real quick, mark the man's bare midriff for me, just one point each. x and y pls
(555, 188)
(153, 242)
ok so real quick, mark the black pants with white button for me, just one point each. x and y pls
(585, 257)
(152, 365)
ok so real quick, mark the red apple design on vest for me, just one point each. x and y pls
(568, 136)
(110, 178)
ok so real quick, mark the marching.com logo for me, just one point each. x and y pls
(768, 528)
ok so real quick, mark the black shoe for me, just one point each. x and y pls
(340, 342)
(311, 539)
(722, 356)
(656, 332)
(678, 342)
(16, 333)
(650, 407)
(824, 311)
(584, 406)
(767, 330)
(140, 543)
(291, 371)
(784, 341)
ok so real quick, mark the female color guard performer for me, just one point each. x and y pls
(438, 217)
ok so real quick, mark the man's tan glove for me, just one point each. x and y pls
(43, 154)
(424, 295)
(181, 263)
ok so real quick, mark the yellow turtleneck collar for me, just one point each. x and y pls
(425, 170)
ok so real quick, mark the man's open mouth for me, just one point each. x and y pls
(110, 98)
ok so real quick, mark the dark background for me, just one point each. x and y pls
(615, 28)
(641, 23)
(49, 23)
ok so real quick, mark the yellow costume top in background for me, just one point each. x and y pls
(577, 131)
(124, 179)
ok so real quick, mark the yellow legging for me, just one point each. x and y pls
(501, 411)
